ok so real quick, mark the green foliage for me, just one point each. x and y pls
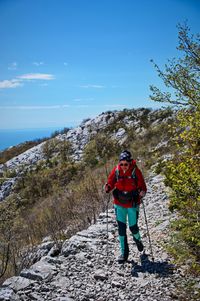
(100, 149)
(144, 145)
(43, 182)
(182, 171)
(9, 173)
(56, 151)
(181, 75)
(9, 236)
(182, 175)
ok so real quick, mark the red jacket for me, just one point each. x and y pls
(125, 181)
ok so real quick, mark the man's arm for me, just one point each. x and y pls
(111, 181)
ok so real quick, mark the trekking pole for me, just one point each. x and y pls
(108, 200)
(145, 217)
(107, 203)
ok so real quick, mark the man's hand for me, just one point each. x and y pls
(107, 188)
(142, 193)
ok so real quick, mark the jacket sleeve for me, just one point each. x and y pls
(112, 178)
(141, 185)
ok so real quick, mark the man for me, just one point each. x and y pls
(128, 185)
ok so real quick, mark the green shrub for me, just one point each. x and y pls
(182, 171)
(100, 149)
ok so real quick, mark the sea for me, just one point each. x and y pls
(10, 137)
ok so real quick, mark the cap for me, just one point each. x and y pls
(125, 155)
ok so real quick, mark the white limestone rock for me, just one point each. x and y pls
(18, 283)
(7, 294)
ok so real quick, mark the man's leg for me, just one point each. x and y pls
(133, 214)
(121, 216)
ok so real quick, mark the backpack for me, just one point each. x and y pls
(123, 196)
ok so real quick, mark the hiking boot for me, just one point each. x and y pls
(122, 258)
(139, 245)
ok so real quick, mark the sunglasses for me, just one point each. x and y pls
(123, 164)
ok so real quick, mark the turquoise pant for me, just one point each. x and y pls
(121, 216)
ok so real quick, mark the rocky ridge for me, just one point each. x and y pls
(86, 269)
(79, 137)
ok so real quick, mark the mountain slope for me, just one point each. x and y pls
(122, 126)
(55, 188)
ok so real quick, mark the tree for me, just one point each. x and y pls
(65, 150)
(8, 213)
(183, 74)
(182, 77)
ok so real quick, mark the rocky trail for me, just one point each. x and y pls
(86, 268)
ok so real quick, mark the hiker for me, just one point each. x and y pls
(128, 186)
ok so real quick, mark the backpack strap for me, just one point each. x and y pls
(117, 173)
(133, 175)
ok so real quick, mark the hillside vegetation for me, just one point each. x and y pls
(59, 195)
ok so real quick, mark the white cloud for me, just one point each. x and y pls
(92, 86)
(13, 66)
(38, 63)
(13, 83)
(38, 76)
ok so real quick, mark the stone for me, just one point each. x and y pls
(47, 245)
(34, 296)
(7, 294)
(39, 271)
(18, 283)
(64, 299)
(100, 275)
(117, 284)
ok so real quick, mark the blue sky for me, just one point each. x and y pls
(62, 61)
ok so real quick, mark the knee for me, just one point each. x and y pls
(134, 229)
(122, 228)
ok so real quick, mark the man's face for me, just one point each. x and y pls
(124, 165)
